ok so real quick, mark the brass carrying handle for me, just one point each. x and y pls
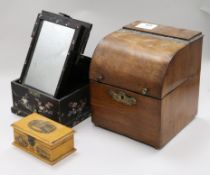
(122, 97)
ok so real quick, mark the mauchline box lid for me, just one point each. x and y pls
(43, 129)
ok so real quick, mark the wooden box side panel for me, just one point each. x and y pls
(140, 121)
(179, 108)
(62, 149)
(186, 63)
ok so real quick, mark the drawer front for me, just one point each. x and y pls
(126, 112)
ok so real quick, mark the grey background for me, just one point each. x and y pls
(100, 152)
(18, 17)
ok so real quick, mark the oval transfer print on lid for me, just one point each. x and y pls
(41, 126)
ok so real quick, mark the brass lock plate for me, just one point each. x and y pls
(122, 97)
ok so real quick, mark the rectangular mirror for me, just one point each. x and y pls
(49, 57)
(56, 47)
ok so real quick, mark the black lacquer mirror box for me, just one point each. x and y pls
(54, 80)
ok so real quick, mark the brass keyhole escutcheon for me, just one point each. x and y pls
(122, 97)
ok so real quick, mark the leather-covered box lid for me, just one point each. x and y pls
(148, 59)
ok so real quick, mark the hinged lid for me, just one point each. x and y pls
(144, 62)
(43, 129)
(162, 30)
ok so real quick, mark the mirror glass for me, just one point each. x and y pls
(49, 56)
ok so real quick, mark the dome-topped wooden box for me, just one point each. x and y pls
(145, 81)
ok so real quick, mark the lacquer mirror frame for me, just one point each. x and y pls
(59, 19)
